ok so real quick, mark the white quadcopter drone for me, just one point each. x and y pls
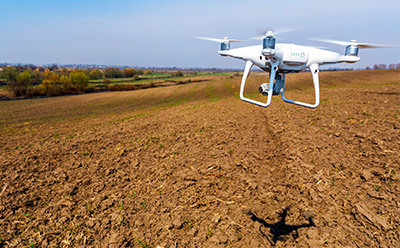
(280, 58)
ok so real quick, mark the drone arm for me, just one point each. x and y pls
(247, 69)
(314, 71)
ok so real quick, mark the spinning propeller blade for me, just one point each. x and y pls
(353, 42)
(273, 32)
(225, 39)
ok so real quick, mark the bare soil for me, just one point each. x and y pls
(193, 166)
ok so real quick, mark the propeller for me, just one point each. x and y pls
(225, 39)
(273, 32)
(352, 43)
(262, 36)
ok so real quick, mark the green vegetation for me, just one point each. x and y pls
(30, 80)
(141, 243)
(2, 243)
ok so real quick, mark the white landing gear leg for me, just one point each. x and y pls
(249, 65)
(314, 71)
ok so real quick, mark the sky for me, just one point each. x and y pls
(157, 33)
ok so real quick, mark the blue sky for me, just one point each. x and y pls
(160, 33)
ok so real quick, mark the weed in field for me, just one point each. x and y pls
(32, 244)
(141, 243)
(133, 193)
(121, 222)
(29, 216)
(189, 225)
(90, 209)
(377, 187)
(87, 153)
(143, 204)
(209, 232)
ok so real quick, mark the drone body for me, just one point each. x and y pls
(281, 58)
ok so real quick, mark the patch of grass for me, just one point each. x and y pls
(131, 117)
(209, 90)
(32, 244)
(209, 232)
(143, 204)
(189, 225)
(141, 243)
(133, 193)
(29, 216)
(87, 153)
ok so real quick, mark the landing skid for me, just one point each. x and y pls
(277, 86)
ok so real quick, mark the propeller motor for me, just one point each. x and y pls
(269, 44)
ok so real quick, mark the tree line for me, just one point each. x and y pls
(35, 81)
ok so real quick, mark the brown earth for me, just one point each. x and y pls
(193, 166)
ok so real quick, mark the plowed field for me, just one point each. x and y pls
(193, 166)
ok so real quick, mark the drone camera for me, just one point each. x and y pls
(263, 89)
(278, 89)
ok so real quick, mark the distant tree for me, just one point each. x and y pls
(86, 71)
(24, 77)
(37, 76)
(95, 74)
(78, 80)
(21, 84)
(65, 82)
(10, 73)
(147, 72)
(367, 68)
(50, 80)
(113, 72)
(129, 72)
(380, 67)
(178, 74)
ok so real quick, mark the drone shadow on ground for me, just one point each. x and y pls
(279, 229)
